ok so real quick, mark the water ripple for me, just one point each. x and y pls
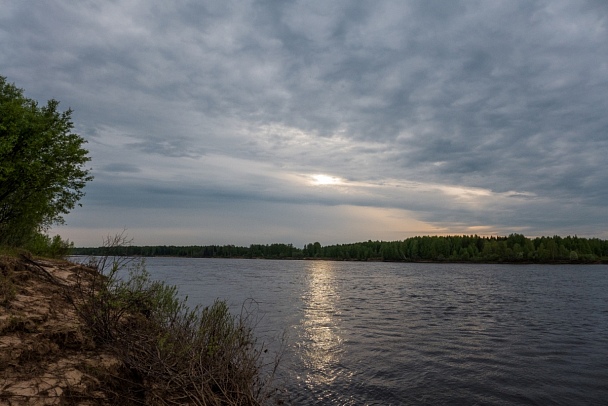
(428, 334)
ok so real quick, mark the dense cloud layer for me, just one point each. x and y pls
(208, 121)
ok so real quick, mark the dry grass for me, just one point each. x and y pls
(171, 354)
(7, 288)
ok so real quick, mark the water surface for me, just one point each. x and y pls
(397, 333)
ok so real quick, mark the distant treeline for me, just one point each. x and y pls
(466, 248)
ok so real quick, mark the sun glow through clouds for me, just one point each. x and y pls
(321, 180)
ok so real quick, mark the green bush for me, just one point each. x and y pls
(45, 246)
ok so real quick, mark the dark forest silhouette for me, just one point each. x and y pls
(466, 248)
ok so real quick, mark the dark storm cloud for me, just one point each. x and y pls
(463, 113)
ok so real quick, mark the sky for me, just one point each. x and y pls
(241, 122)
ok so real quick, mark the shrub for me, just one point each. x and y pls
(175, 355)
(43, 245)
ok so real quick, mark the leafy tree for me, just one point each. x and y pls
(42, 162)
(44, 245)
(518, 252)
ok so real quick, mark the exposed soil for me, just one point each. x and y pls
(46, 355)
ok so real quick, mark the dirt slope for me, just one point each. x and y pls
(46, 356)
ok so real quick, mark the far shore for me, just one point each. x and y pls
(404, 261)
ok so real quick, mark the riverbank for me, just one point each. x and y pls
(78, 335)
(46, 355)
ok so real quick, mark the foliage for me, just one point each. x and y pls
(41, 165)
(465, 248)
(474, 248)
(175, 355)
(274, 251)
(9, 251)
(43, 245)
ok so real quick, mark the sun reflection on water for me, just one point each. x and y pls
(321, 344)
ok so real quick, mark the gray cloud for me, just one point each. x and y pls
(459, 114)
(120, 167)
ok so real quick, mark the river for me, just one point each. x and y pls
(399, 333)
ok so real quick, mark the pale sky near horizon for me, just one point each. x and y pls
(239, 122)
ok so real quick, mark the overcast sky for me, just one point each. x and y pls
(239, 122)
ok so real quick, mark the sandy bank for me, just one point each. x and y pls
(46, 357)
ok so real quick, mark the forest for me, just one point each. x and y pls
(515, 248)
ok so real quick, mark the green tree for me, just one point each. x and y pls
(42, 171)
(518, 252)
